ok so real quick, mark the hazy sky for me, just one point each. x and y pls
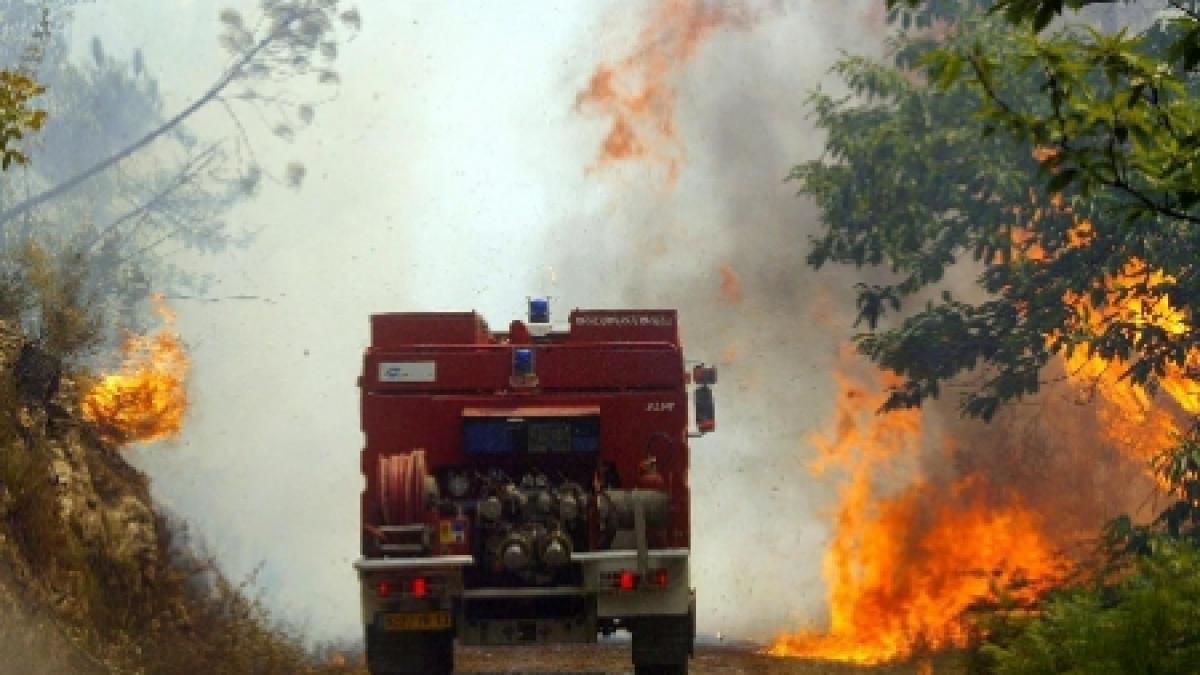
(449, 173)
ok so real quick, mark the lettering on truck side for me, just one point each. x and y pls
(625, 320)
(407, 371)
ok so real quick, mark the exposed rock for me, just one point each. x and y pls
(107, 531)
(132, 534)
(10, 346)
(92, 578)
(38, 374)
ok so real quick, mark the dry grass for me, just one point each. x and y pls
(170, 612)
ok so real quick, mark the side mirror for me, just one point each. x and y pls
(706, 411)
(702, 374)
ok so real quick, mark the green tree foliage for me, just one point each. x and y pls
(292, 39)
(16, 116)
(997, 131)
(124, 182)
(1147, 623)
(988, 143)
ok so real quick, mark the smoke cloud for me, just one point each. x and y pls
(459, 167)
(700, 219)
(607, 154)
(694, 215)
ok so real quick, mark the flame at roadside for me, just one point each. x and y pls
(927, 521)
(146, 398)
(904, 568)
(906, 564)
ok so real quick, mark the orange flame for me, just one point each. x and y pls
(638, 92)
(904, 567)
(1132, 297)
(731, 286)
(1130, 417)
(146, 399)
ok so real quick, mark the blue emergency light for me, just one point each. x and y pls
(522, 362)
(539, 310)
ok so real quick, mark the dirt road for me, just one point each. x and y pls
(613, 659)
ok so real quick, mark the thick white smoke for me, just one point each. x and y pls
(725, 244)
(449, 173)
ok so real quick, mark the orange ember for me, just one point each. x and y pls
(637, 93)
(904, 566)
(731, 286)
(146, 399)
(730, 354)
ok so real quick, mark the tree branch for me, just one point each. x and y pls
(228, 77)
(190, 170)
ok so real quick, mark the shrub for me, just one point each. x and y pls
(1146, 622)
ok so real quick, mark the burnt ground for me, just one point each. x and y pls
(613, 659)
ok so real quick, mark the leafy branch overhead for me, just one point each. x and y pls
(16, 116)
(291, 39)
(1063, 166)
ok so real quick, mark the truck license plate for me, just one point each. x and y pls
(416, 621)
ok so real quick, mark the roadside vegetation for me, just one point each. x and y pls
(93, 576)
(1054, 158)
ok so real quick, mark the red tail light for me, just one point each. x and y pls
(384, 589)
(626, 581)
(420, 587)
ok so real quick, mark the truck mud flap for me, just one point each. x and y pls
(412, 653)
(527, 616)
(662, 640)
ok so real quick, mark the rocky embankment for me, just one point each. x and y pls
(76, 521)
(92, 577)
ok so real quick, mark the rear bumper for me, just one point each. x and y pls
(613, 603)
(559, 614)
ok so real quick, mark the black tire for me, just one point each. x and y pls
(662, 644)
(661, 670)
(415, 653)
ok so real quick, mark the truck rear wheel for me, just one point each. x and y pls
(661, 670)
(411, 653)
(662, 645)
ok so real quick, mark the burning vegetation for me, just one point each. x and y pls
(145, 400)
(906, 565)
(1134, 417)
(912, 552)
(938, 519)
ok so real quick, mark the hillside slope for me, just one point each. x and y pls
(93, 578)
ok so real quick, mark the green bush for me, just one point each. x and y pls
(1147, 622)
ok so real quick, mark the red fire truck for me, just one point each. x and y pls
(528, 486)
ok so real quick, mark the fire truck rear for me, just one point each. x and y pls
(527, 487)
